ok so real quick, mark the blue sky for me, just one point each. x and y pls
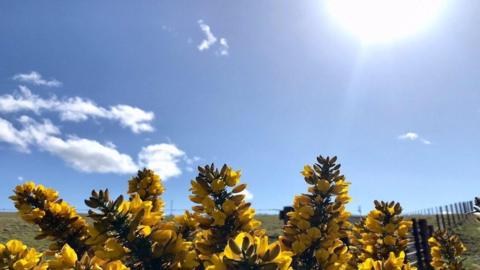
(90, 91)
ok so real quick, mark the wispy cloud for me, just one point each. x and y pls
(36, 78)
(77, 109)
(412, 136)
(223, 47)
(82, 154)
(88, 155)
(210, 40)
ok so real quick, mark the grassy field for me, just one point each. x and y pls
(12, 227)
(470, 235)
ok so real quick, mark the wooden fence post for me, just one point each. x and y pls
(459, 217)
(464, 207)
(416, 237)
(454, 221)
(443, 219)
(424, 235)
(448, 217)
(439, 226)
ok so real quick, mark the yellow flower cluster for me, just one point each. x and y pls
(248, 251)
(131, 231)
(16, 256)
(391, 263)
(381, 239)
(446, 250)
(318, 227)
(221, 232)
(148, 186)
(221, 210)
(68, 259)
(57, 219)
(187, 225)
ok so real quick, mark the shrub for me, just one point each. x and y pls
(446, 250)
(220, 232)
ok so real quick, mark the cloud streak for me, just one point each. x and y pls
(77, 109)
(412, 136)
(82, 154)
(88, 155)
(36, 78)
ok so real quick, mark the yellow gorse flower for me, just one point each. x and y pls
(381, 238)
(17, 256)
(220, 233)
(134, 231)
(248, 251)
(57, 220)
(446, 250)
(148, 186)
(393, 262)
(318, 226)
(67, 259)
(220, 211)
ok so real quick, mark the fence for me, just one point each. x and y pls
(441, 218)
(424, 223)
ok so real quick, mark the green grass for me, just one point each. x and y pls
(12, 227)
(469, 232)
(271, 224)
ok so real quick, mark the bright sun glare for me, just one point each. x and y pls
(380, 21)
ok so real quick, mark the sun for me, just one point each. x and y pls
(381, 21)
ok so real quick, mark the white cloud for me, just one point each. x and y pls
(412, 136)
(36, 78)
(162, 158)
(9, 134)
(424, 141)
(248, 194)
(210, 40)
(32, 131)
(223, 47)
(89, 155)
(24, 100)
(189, 160)
(77, 109)
(82, 154)
(134, 118)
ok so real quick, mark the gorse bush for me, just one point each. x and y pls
(317, 230)
(381, 238)
(446, 250)
(220, 232)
